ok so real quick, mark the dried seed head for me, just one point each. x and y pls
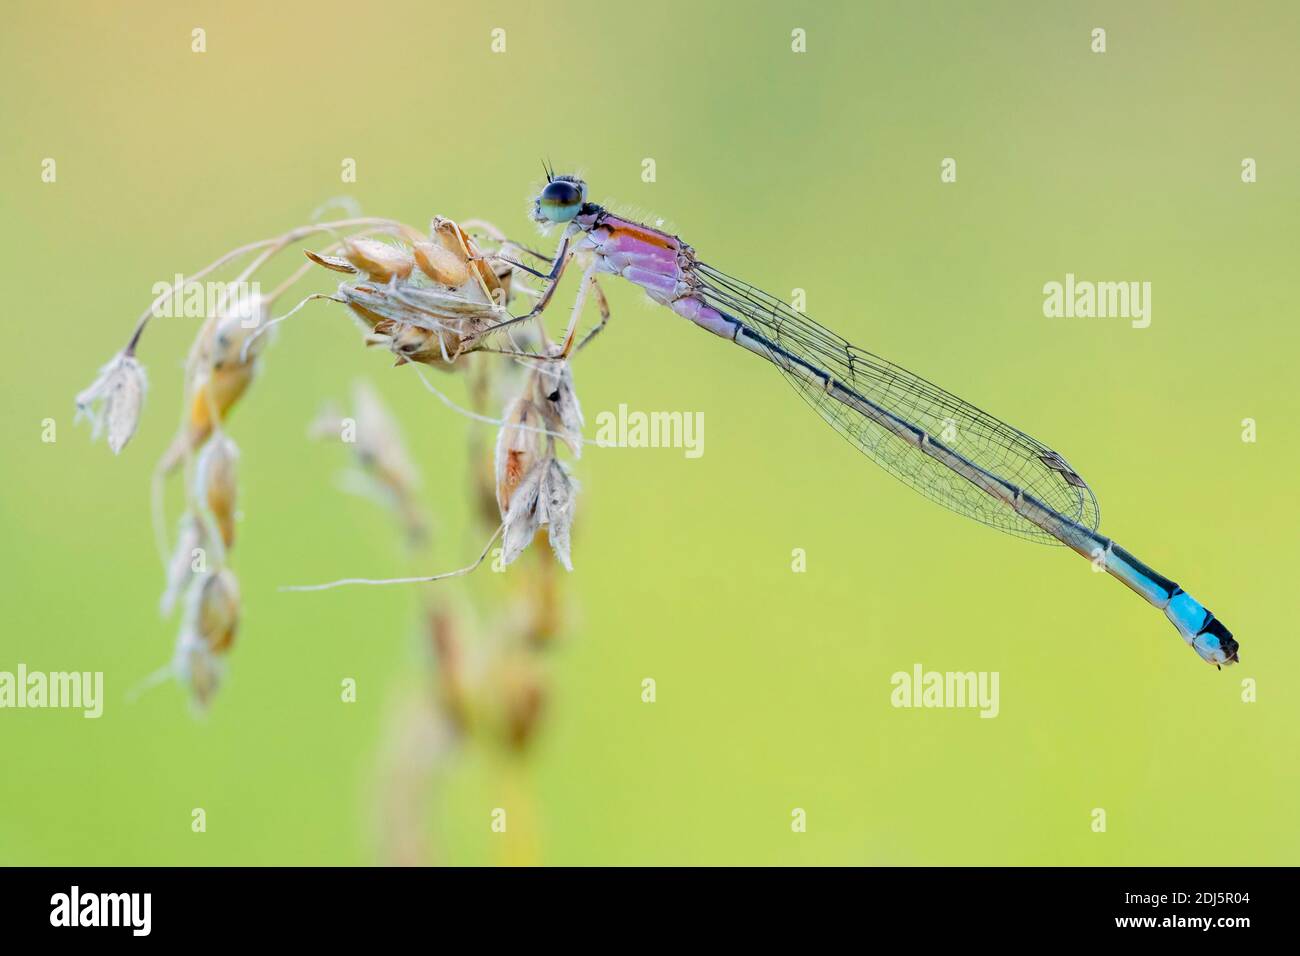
(214, 483)
(461, 245)
(556, 495)
(544, 495)
(212, 395)
(196, 666)
(518, 449)
(533, 488)
(553, 393)
(369, 316)
(235, 340)
(336, 263)
(524, 516)
(215, 394)
(213, 612)
(451, 237)
(421, 323)
(181, 566)
(114, 400)
(410, 343)
(379, 260)
(440, 264)
(225, 362)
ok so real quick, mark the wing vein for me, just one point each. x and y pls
(994, 446)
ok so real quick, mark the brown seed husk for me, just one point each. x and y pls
(461, 245)
(196, 666)
(336, 263)
(518, 449)
(215, 613)
(215, 484)
(379, 260)
(440, 264)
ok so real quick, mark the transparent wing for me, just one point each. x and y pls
(989, 443)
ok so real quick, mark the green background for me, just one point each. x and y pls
(818, 171)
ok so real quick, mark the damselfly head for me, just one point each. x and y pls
(560, 199)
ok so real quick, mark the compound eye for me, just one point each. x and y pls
(561, 200)
(561, 192)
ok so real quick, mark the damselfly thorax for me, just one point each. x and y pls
(660, 263)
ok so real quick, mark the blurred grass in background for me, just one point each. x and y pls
(818, 171)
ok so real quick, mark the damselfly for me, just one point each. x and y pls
(947, 449)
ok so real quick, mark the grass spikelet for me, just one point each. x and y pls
(215, 486)
(114, 400)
